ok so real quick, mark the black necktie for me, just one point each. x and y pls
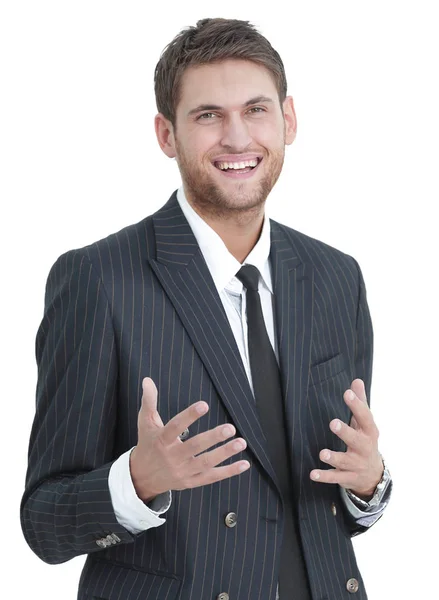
(293, 580)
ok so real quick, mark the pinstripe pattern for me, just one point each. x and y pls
(142, 303)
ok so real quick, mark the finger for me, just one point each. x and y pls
(219, 473)
(148, 410)
(208, 460)
(346, 479)
(340, 460)
(187, 417)
(203, 441)
(359, 389)
(353, 423)
(361, 412)
(351, 437)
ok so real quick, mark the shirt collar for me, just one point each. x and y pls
(222, 265)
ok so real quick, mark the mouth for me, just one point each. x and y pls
(238, 170)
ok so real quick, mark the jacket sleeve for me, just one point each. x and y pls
(363, 370)
(66, 508)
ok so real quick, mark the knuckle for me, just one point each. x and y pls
(227, 472)
(195, 446)
(341, 462)
(328, 476)
(205, 461)
(369, 445)
(358, 441)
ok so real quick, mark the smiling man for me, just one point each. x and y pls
(202, 427)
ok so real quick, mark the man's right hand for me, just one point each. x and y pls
(162, 462)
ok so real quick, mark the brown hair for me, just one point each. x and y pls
(212, 40)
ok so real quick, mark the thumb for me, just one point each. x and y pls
(148, 409)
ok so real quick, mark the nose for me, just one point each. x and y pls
(235, 133)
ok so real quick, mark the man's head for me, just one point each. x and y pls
(221, 95)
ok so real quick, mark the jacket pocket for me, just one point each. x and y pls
(328, 382)
(104, 580)
(325, 370)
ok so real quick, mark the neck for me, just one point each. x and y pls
(239, 230)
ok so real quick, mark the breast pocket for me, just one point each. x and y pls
(327, 383)
(325, 370)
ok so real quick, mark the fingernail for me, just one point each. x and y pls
(326, 456)
(201, 408)
(227, 431)
(336, 426)
(244, 466)
(350, 395)
(315, 475)
(238, 446)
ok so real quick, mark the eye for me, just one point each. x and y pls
(206, 116)
(257, 109)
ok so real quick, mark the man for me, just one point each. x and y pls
(206, 322)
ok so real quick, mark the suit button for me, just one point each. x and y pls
(352, 585)
(231, 520)
(334, 509)
(223, 596)
(183, 436)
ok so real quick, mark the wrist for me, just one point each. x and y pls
(367, 494)
(369, 502)
(144, 494)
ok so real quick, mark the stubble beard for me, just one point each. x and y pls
(213, 201)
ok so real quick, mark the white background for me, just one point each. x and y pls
(79, 160)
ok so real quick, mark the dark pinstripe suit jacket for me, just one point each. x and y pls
(139, 303)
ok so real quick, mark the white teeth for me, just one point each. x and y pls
(238, 165)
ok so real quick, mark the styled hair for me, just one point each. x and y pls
(210, 41)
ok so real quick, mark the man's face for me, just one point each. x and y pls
(229, 116)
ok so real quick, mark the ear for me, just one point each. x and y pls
(290, 120)
(164, 131)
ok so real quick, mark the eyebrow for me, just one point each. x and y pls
(255, 100)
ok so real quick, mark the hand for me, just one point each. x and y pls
(162, 462)
(361, 467)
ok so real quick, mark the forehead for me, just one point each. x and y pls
(229, 83)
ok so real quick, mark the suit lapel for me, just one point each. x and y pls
(185, 277)
(293, 279)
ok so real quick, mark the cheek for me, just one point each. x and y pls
(270, 135)
(200, 148)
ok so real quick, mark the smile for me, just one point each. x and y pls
(239, 170)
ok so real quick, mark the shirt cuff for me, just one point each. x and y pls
(130, 511)
(366, 517)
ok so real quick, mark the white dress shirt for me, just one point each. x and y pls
(131, 512)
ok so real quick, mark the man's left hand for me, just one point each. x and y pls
(361, 467)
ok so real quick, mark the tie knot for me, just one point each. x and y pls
(249, 276)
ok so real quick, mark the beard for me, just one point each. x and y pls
(245, 199)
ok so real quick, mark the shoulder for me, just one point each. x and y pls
(119, 248)
(110, 259)
(324, 258)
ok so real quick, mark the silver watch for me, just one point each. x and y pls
(378, 494)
